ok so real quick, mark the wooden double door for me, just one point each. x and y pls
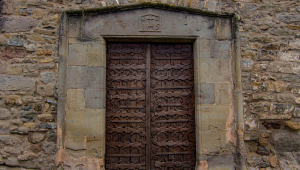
(150, 117)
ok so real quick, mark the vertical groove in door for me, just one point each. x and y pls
(148, 114)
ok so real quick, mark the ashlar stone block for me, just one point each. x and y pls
(76, 77)
(204, 48)
(76, 142)
(96, 54)
(75, 99)
(205, 93)
(223, 93)
(214, 70)
(85, 122)
(95, 77)
(220, 49)
(217, 117)
(210, 141)
(77, 54)
(95, 99)
(86, 77)
(223, 28)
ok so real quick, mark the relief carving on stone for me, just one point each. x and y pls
(150, 23)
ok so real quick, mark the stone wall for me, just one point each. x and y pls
(270, 49)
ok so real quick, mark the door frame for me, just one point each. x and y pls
(67, 38)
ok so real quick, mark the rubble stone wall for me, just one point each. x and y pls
(269, 34)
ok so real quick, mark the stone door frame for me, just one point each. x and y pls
(72, 99)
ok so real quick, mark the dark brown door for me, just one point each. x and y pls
(150, 107)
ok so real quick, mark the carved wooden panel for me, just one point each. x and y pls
(150, 107)
(126, 107)
(172, 113)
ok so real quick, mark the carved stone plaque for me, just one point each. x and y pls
(149, 23)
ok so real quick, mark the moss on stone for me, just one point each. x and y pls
(156, 5)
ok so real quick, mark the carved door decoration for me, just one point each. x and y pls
(150, 107)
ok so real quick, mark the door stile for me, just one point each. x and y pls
(148, 103)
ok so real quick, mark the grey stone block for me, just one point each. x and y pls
(77, 54)
(286, 141)
(17, 24)
(205, 93)
(204, 46)
(95, 99)
(47, 77)
(220, 49)
(77, 77)
(95, 77)
(86, 77)
(214, 70)
(74, 26)
(223, 29)
(17, 83)
(222, 162)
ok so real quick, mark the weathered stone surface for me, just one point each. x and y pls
(247, 65)
(28, 116)
(17, 83)
(290, 56)
(220, 49)
(263, 151)
(95, 99)
(272, 117)
(222, 162)
(294, 126)
(86, 77)
(11, 140)
(9, 52)
(273, 161)
(275, 124)
(3, 67)
(223, 29)
(296, 112)
(217, 117)
(47, 125)
(36, 137)
(295, 89)
(5, 114)
(44, 32)
(294, 45)
(263, 141)
(258, 107)
(96, 54)
(289, 18)
(218, 69)
(280, 108)
(87, 122)
(180, 24)
(46, 90)
(222, 93)
(49, 148)
(13, 99)
(17, 24)
(205, 93)
(76, 77)
(46, 117)
(280, 67)
(47, 77)
(76, 142)
(286, 142)
(77, 54)
(15, 42)
(75, 99)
